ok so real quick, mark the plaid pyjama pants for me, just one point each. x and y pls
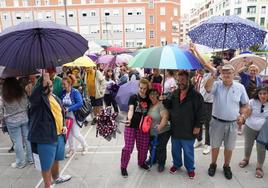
(142, 143)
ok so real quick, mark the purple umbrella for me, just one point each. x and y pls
(39, 45)
(108, 61)
(8, 72)
(124, 92)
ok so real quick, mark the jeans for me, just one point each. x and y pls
(18, 134)
(188, 153)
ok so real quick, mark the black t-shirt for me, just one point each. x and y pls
(141, 107)
(157, 79)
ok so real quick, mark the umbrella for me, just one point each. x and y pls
(227, 32)
(81, 62)
(39, 45)
(93, 47)
(124, 92)
(239, 61)
(114, 60)
(93, 57)
(167, 57)
(116, 49)
(108, 61)
(6, 72)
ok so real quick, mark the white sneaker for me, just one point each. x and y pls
(14, 165)
(207, 149)
(69, 154)
(197, 144)
(63, 179)
(84, 150)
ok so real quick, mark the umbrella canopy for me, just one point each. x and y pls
(124, 93)
(167, 57)
(108, 61)
(114, 60)
(116, 49)
(227, 32)
(39, 45)
(81, 62)
(94, 47)
(239, 61)
(8, 72)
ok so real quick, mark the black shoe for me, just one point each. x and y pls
(212, 169)
(94, 121)
(161, 168)
(124, 172)
(145, 166)
(11, 150)
(227, 172)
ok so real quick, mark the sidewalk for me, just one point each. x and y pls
(100, 168)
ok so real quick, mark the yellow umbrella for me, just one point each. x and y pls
(81, 62)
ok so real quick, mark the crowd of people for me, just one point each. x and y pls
(179, 104)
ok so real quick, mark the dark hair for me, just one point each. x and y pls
(12, 90)
(70, 79)
(154, 91)
(217, 61)
(170, 72)
(257, 90)
(184, 73)
(106, 74)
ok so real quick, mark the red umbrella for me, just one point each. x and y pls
(116, 49)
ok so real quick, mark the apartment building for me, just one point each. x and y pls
(127, 23)
(184, 29)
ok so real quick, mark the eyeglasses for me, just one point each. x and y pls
(262, 108)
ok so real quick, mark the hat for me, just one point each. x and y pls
(228, 67)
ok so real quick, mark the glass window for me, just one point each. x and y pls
(116, 12)
(46, 2)
(227, 12)
(3, 3)
(251, 9)
(107, 13)
(94, 29)
(139, 12)
(162, 11)
(162, 26)
(60, 2)
(16, 3)
(140, 27)
(93, 13)
(262, 21)
(151, 19)
(151, 34)
(70, 2)
(251, 18)
(237, 11)
(151, 4)
(129, 12)
(5, 16)
(263, 10)
(48, 15)
(175, 12)
(117, 28)
(130, 28)
(25, 3)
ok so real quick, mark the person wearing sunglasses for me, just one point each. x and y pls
(254, 119)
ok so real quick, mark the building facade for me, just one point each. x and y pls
(184, 28)
(127, 23)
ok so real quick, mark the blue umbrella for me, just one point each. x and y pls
(228, 32)
(124, 93)
(39, 45)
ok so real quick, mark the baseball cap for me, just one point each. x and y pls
(228, 67)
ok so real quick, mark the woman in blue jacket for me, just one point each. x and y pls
(72, 101)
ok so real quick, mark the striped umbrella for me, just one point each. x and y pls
(166, 57)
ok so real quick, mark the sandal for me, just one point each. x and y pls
(243, 163)
(259, 173)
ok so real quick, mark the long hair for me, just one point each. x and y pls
(12, 90)
(256, 93)
(107, 76)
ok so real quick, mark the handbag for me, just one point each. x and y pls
(82, 113)
(145, 123)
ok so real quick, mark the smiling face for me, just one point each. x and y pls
(143, 89)
(227, 76)
(253, 71)
(263, 96)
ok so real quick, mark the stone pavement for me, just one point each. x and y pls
(100, 168)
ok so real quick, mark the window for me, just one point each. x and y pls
(118, 43)
(117, 28)
(139, 12)
(37, 2)
(140, 27)
(151, 4)
(27, 15)
(227, 12)
(115, 1)
(162, 41)
(2, 3)
(151, 19)
(162, 26)
(175, 12)
(4, 15)
(40, 15)
(237, 11)
(107, 28)
(84, 13)
(151, 34)
(48, 15)
(62, 14)
(18, 16)
(84, 29)
(25, 3)
(69, 2)
(71, 14)
(16, 3)
(140, 43)
(93, 13)
(162, 11)
(238, 1)
(251, 18)
(116, 12)
(83, 2)
(262, 21)
(129, 28)
(61, 2)
(94, 29)
(263, 10)
(46, 2)
(251, 9)
(129, 12)
(106, 13)
(130, 43)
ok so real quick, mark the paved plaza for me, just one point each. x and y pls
(100, 168)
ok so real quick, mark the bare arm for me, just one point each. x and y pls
(209, 84)
(130, 113)
(164, 119)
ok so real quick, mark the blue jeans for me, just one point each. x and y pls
(18, 134)
(188, 153)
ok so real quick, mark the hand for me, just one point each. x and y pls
(46, 79)
(240, 120)
(28, 89)
(127, 124)
(192, 47)
(196, 131)
(248, 63)
(162, 97)
(64, 130)
(159, 128)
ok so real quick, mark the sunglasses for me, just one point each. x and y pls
(262, 108)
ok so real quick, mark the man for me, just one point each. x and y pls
(230, 98)
(96, 86)
(186, 117)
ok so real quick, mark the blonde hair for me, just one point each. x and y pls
(145, 82)
(254, 66)
(70, 79)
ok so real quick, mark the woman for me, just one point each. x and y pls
(170, 83)
(72, 101)
(159, 128)
(109, 97)
(255, 118)
(156, 80)
(14, 114)
(138, 107)
(47, 133)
